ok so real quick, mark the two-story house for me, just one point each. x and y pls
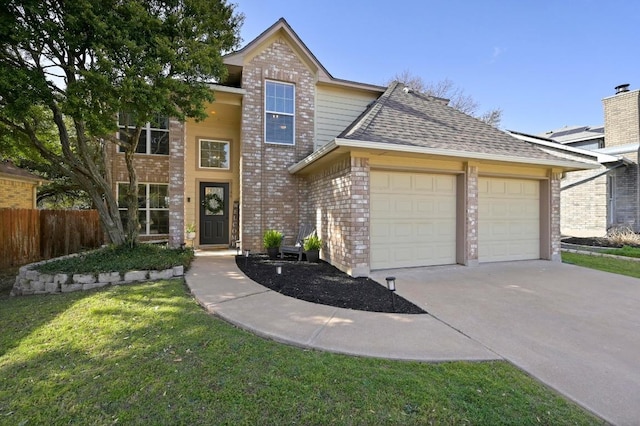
(389, 177)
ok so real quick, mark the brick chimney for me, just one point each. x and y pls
(622, 117)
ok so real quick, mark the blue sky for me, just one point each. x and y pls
(546, 64)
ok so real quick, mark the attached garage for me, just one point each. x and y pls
(508, 219)
(413, 219)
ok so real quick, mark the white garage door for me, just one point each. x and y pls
(413, 219)
(509, 219)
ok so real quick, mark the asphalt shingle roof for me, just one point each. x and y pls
(415, 119)
(8, 168)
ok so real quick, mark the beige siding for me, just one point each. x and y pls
(336, 109)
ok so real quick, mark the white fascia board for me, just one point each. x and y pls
(618, 150)
(600, 157)
(324, 150)
(412, 149)
(226, 89)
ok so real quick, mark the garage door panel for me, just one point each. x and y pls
(509, 219)
(418, 218)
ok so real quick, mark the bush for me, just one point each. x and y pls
(142, 257)
(312, 243)
(272, 239)
(623, 237)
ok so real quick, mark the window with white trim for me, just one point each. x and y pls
(214, 154)
(279, 113)
(154, 138)
(153, 207)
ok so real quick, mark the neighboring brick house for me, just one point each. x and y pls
(389, 177)
(596, 200)
(17, 187)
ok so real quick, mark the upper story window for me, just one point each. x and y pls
(154, 138)
(279, 113)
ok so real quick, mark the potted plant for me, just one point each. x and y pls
(271, 241)
(191, 231)
(312, 246)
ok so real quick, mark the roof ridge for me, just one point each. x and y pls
(365, 119)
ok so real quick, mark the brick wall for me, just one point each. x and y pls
(339, 205)
(270, 196)
(556, 216)
(16, 194)
(176, 182)
(584, 207)
(471, 228)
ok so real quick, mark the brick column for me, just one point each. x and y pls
(471, 217)
(176, 183)
(555, 179)
(360, 208)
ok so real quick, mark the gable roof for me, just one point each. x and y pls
(10, 170)
(402, 120)
(236, 59)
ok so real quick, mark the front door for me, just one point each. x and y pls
(214, 213)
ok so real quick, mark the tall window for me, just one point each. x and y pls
(154, 138)
(214, 154)
(153, 207)
(279, 113)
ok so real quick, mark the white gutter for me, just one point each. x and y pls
(618, 150)
(412, 149)
(599, 156)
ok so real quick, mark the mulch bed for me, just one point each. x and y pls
(324, 284)
(593, 242)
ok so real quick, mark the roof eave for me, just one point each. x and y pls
(412, 149)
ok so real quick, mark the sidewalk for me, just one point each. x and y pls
(222, 289)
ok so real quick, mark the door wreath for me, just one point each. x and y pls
(206, 203)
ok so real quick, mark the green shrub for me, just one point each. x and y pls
(272, 239)
(313, 243)
(121, 259)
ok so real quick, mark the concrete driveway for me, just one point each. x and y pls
(573, 328)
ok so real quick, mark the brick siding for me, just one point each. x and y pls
(16, 194)
(339, 201)
(270, 196)
(584, 207)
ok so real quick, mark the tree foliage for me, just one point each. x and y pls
(457, 97)
(78, 63)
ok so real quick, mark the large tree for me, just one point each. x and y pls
(81, 62)
(447, 89)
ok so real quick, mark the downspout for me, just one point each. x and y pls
(597, 176)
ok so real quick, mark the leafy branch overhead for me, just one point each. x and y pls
(78, 63)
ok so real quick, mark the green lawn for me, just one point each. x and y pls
(148, 354)
(607, 264)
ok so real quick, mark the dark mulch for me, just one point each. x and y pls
(593, 241)
(324, 284)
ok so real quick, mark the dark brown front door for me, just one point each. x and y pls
(214, 213)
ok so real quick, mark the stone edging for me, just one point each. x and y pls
(594, 251)
(29, 281)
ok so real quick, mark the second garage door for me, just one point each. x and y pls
(509, 219)
(413, 219)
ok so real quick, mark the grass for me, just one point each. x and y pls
(148, 354)
(607, 264)
(121, 259)
(626, 251)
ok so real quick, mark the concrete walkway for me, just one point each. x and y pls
(575, 329)
(219, 286)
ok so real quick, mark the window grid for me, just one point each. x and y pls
(214, 154)
(154, 137)
(153, 205)
(279, 113)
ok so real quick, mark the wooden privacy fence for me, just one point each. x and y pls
(30, 235)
